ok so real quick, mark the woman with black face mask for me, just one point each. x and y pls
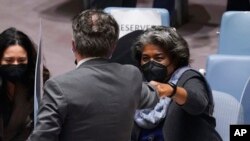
(185, 110)
(17, 70)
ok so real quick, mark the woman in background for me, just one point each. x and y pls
(17, 71)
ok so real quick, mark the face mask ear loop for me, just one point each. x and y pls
(171, 62)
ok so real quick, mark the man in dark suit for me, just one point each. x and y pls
(97, 100)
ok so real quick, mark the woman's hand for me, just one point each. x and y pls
(162, 88)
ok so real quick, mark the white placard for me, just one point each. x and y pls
(136, 19)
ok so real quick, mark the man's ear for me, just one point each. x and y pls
(73, 46)
(111, 51)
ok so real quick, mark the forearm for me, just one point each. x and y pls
(192, 97)
(51, 114)
(178, 94)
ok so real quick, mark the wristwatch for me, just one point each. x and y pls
(174, 89)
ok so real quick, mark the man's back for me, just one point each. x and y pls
(95, 102)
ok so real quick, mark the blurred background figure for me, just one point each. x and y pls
(165, 4)
(238, 5)
(101, 4)
(17, 69)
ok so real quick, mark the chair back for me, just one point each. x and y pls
(228, 73)
(123, 51)
(245, 102)
(234, 37)
(226, 113)
(131, 19)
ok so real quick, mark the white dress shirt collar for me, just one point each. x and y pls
(84, 60)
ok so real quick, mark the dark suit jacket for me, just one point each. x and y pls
(95, 102)
(192, 121)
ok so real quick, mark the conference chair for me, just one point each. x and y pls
(226, 112)
(245, 102)
(123, 51)
(131, 19)
(228, 73)
(234, 36)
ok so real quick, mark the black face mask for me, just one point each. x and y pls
(13, 73)
(154, 71)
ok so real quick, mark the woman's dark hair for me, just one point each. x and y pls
(167, 39)
(12, 36)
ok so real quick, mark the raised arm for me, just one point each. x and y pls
(149, 96)
(51, 114)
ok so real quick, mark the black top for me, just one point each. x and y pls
(192, 121)
(16, 118)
